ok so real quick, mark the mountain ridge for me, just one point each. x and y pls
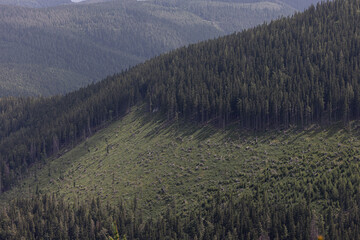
(87, 42)
(250, 136)
(299, 5)
(206, 82)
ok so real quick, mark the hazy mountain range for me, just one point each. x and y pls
(58, 49)
(254, 135)
(298, 5)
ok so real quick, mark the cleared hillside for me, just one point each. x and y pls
(160, 162)
(250, 136)
(267, 88)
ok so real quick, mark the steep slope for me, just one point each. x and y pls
(82, 43)
(293, 71)
(289, 171)
(185, 180)
(161, 162)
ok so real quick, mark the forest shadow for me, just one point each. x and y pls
(176, 128)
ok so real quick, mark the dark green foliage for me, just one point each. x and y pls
(294, 199)
(293, 71)
(221, 217)
(297, 70)
(32, 129)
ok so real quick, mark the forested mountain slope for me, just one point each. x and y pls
(233, 182)
(263, 123)
(55, 50)
(298, 70)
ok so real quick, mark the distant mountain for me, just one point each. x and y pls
(55, 50)
(35, 3)
(250, 136)
(294, 71)
(300, 5)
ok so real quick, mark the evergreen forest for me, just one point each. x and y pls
(292, 73)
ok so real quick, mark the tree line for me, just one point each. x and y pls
(297, 70)
(220, 217)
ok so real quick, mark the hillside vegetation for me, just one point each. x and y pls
(51, 51)
(185, 180)
(159, 161)
(253, 135)
(270, 85)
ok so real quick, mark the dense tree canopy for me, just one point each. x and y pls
(222, 217)
(295, 70)
(298, 70)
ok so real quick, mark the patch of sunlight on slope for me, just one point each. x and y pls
(162, 162)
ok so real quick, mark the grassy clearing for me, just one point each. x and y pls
(159, 163)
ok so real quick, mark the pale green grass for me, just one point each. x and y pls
(161, 162)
